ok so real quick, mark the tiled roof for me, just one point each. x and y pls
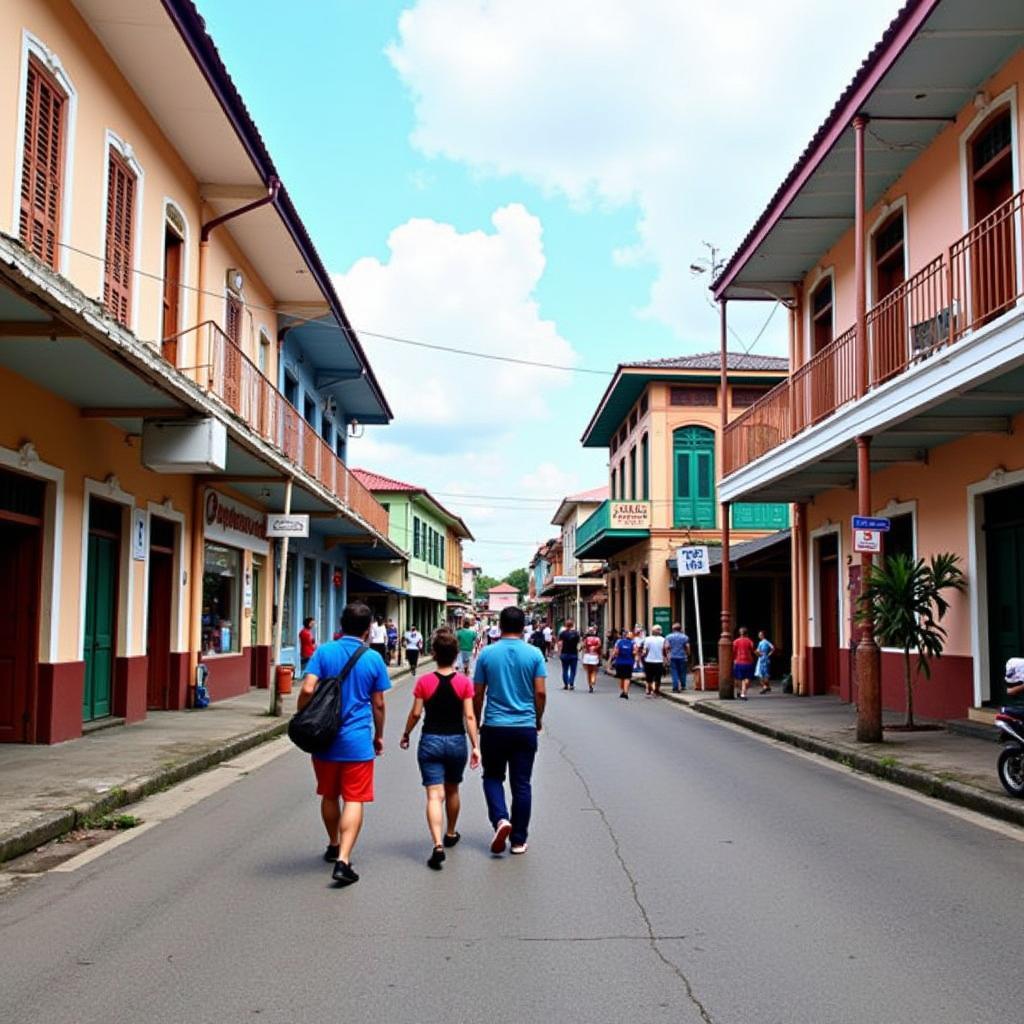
(469, 565)
(503, 588)
(378, 482)
(595, 494)
(712, 361)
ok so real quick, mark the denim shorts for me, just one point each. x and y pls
(442, 759)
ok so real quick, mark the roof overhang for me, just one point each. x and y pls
(928, 65)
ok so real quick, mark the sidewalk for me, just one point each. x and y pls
(945, 765)
(48, 791)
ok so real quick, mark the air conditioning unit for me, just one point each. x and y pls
(184, 446)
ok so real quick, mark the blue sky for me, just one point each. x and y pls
(529, 178)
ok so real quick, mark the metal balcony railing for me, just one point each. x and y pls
(975, 280)
(223, 370)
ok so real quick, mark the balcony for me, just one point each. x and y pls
(224, 371)
(612, 527)
(973, 282)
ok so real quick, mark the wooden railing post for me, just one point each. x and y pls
(860, 123)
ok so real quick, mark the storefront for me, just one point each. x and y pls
(235, 640)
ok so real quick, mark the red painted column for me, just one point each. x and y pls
(867, 657)
(725, 686)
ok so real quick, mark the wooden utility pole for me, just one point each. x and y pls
(725, 685)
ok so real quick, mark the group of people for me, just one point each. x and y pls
(506, 696)
(649, 654)
(383, 638)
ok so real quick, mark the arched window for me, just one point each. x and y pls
(693, 455)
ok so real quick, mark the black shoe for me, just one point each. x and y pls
(450, 841)
(436, 858)
(565, 686)
(343, 874)
(331, 854)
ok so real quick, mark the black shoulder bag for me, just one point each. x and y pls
(314, 728)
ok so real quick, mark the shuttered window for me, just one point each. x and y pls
(120, 249)
(42, 164)
(233, 320)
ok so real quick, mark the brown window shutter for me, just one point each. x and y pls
(42, 164)
(233, 320)
(117, 271)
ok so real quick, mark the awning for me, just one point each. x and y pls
(364, 585)
(739, 553)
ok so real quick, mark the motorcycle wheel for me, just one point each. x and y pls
(1011, 769)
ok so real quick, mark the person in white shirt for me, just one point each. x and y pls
(493, 634)
(653, 648)
(379, 637)
(413, 646)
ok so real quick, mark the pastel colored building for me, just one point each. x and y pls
(419, 587)
(504, 595)
(174, 363)
(896, 244)
(583, 600)
(660, 422)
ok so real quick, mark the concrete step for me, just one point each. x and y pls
(979, 729)
(984, 715)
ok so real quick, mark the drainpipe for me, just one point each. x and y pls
(725, 687)
(195, 584)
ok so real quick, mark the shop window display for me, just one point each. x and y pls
(222, 576)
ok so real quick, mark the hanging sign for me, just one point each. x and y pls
(867, 541)
(230, 522)
(629, 515)
(281, 525)
(693, 560)
(877, 524)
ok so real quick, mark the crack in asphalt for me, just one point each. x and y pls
(653, 938)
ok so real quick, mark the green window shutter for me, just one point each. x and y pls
(694, 450)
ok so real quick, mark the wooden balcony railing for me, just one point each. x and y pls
(975, 280)
(223, 370)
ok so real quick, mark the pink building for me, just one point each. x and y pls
(504, 595)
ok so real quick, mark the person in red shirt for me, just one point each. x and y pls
(307, 642)
(743, 658)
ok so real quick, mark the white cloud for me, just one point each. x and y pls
(692, 111)
(473, 291)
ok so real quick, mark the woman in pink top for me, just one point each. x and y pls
(445, 698)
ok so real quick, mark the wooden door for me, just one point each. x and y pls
(158, 627)
(101, 594)
(172, 295)
(828, 602)
(20, 545)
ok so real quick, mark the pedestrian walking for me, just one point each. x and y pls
(509, 703)
(445, 700)
(743, 661)
(654, 654)
(763, 668)
(493, 633)
(678, 644)
(392, 630)
(307, 642)
(344, 772)
(379, 637)
(591, 656)
(569, 654)
(549, 638)
(467, 640)
(413, 640)
(623, 657)
(537, 639)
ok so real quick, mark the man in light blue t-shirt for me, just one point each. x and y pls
(509, 704)
(678, 644)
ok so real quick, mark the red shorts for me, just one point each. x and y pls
(351, 780)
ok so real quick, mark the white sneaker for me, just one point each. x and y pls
(519, 848)
(501, 834)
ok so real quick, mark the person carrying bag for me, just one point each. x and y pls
(314, 727)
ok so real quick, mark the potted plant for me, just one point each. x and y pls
(904, 600)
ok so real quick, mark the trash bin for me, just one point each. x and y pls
(284, 676)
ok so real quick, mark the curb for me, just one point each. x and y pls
(54, 824)
(923, 782)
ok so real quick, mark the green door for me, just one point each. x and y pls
(100, 625)
(693, 452)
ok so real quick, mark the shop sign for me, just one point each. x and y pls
(662, 617)
(231, 522)
(693, 560)
(281, 525)
(139, 534)
(877, 524)
(247, 590)
(565, 581)
(867, 541)
(629, 515)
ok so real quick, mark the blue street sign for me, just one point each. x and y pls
(879, 525)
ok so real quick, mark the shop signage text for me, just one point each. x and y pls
(629, 515)
(867, 541)
(231, 522)
(693, 561)
(281, 525)
(877, 524)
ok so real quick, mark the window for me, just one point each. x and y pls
(643, 404)
(743, 397)
(645, 467)
(291, 389)
(887, 246)
(632, 473)
(120, 248)
(173, 249)
(693, 396)
(694, 459)
(416, 537)
(326, 428)
(622, 479)
(821, 315)
(263, 356)
(288, 608)
(309, 411)
(42, 167)
(633, 419)
(233, 319)
(899, 540)
(222, 573)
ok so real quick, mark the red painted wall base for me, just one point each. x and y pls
(230, 674)
(261, 666)
(130, 676)
(59, 710)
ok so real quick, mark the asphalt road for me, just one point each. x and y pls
(678, 871)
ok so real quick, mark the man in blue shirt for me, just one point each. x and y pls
(510, 677)
(678, 644)
(344, 772)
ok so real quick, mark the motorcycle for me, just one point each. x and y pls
(1010, 765)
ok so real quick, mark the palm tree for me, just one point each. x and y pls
(903, 599)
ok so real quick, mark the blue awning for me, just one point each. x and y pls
(364, 585)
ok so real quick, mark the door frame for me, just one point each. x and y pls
(977, 573)
(178, 617)
(26, 460)
(812, 584)
(110, 490)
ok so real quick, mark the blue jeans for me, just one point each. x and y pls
(510, 748)
(678, 668)
(442, 759)
(569, 663)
